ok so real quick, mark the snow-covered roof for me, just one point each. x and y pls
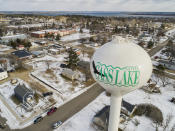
(69, 72)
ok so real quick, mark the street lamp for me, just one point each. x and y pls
(120, 67)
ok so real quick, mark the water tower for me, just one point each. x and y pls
(120, 67)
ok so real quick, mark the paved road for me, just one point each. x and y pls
(67, 110)
(157, 48)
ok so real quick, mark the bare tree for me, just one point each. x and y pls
(47, 64)
(167, 121)
(173, 128)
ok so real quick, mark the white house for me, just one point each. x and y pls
(70, 74)
(3, 74)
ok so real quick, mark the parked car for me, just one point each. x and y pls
(57, 124)
(52, 110)
(40, 118)
(47, 94)
(173, 100)
(2, 126)
(63, 65)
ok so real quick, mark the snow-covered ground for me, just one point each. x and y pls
(82, 121)
(163, 39)
(4, 48)
(75, 36)
(160, 54)
(170, 32)
(65, 87)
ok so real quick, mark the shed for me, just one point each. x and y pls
(3, 74)
(70, 74)
(23, 94)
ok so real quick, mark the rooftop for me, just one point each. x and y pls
(21, 53)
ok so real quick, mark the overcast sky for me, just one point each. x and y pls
(88, 5)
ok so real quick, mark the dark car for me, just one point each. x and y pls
(2, 126)
(40, 118)
(63, 65)
(47, 94)
(52, 110)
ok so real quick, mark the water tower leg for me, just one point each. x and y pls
(114, 117)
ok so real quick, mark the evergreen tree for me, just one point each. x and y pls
(58, 37)
(72, 59)
(150, 44)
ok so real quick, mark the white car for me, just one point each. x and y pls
(57, 124)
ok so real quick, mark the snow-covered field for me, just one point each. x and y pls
(75, 36)
(82, 121)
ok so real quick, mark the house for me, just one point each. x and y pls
(37, 53)
(21, 54)
(151, 88)
(54, 51)
(70, 74)
(20, 47)
(101, 118)
(41, 42)
(168, 64)
(3, 74)
(23, 94)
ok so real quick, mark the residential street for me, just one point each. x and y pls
(157, 48)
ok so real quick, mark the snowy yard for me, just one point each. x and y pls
(65, 87)
(83, 119)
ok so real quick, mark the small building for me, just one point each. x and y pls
(54, 51)
(21, 54)
(101, 118)
(168, 64)
(70, 74)
(3, 74)
(151, 88)
(37, 53)
(23, 94)
(20, 47)
(41, 42)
